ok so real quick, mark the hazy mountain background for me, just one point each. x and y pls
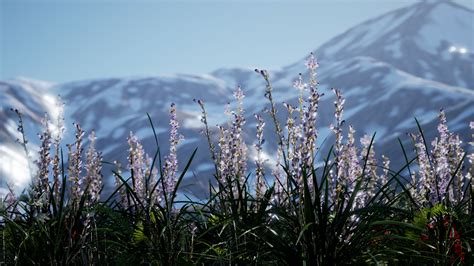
(408, 63)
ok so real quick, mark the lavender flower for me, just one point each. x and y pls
(75, 164)
(370, 175)
(309, 128)
(224, 166)
(351, 168)
(470, 173)
(23, 141)
(171, 161)
(232, 160)
(437, 168)
(292, 144)
(425, 183)
(312, 65)
(338, 146)
(206, 130)
(118, 183)
(441, 153)
(337, 128)
(136, 160)
(273, 111)
(57, 143)
(260, 171)
(93, 170)
(456, 154)
(279, 180)
(385, 168)
(43, 163)
(300, 86)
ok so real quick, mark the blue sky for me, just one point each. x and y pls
(68, 40)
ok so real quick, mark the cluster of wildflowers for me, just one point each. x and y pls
(439, 178)
(139, 164)
(349, 168)
(49, 175)
(145, 174)
(232, 156)
(85, 174)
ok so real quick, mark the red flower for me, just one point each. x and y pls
(424, 237)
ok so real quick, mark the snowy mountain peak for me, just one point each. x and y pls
(427, 39)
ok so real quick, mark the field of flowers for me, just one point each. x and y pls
(349, 208)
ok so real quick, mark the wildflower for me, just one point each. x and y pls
(426, 183)
(232, 161)
(309, 127)
(75, 164)
(385, 168)
(312, 64)
(224, 160)
(59, 127)
(206, 130)
(23, 141)
(273, 111)
(43, 163)
(239, 96)
(455, 160)
(292, 141)
(338, 147)
(93, 170)
(279, 181)
(368, 155)
(299, 84)
(136, 160)
(470, 157)
(349, 167)
(441, 153)
(171, 161)
(118, 182)
(424, 237)
(260, 171)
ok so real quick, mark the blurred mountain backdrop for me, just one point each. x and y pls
(408, 63)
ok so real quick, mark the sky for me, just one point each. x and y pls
(65, 40)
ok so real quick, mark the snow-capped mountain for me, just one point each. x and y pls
(432, 40)
(407, 63)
